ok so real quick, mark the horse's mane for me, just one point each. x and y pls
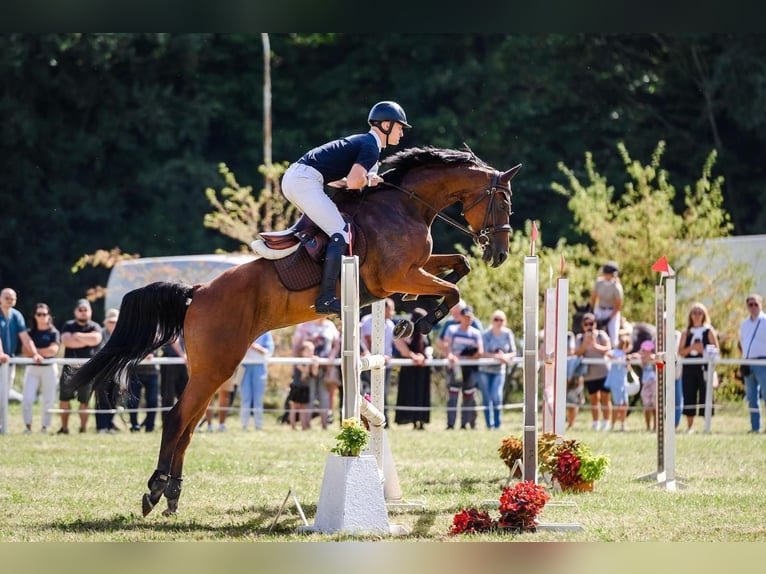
(397, 165)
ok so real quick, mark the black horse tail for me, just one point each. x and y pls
(150, 317)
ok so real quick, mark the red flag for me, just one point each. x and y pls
(661, 265)
(534, 231)
(563, 264)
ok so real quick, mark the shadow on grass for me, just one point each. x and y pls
(243, 523)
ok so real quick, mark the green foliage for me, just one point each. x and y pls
(110, 138)
(352, 438)
(239, 215)
(635, 228)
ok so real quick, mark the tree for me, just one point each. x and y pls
(635, 227)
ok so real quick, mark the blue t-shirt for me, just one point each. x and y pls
(10, 329)
(335, 159)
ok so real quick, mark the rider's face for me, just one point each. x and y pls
(396, 134)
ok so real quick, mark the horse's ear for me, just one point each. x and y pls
(508, 175)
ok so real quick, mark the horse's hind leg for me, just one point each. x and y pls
(172, 494)
(157, 484)
(173, 489)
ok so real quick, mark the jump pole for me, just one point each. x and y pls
(530, 311)
(352, 495)
(665, 319)
(555, 326)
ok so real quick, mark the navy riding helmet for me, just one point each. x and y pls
(387, 111)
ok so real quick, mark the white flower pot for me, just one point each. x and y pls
(351, 499)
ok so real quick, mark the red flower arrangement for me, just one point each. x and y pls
(567, 467)
(520, 505)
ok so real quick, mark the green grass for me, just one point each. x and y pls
(88, 487)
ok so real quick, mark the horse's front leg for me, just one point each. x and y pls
(435, 304)
(421, 282)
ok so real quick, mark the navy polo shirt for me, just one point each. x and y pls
(335, 159)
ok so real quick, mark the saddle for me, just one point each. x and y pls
(305, 232)
(299, 252)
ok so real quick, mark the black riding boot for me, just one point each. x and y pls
(328, 303)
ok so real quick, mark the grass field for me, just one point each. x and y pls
(88, 487)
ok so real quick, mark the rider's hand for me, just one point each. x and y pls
(374, 180)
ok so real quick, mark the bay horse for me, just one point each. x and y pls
(219, 319)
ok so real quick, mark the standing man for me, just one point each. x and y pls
(606, 300)
(12, 330)
(81, 338)
(752, 344)
(464, 341)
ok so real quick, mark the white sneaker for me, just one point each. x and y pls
(221, 427)
(606, 426)
(594, 426)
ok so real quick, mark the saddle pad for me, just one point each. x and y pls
(299, 271)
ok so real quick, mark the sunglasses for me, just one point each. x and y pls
(41, 314)
(588, 324)
(497, 319)
(753, 304)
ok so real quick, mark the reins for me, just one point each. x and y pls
(481, 237)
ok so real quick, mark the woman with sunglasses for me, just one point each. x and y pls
(43, 377)
(594, 343)
(698, 334)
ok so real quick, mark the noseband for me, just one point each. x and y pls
(483, 236)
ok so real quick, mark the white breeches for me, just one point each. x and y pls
(302, 185)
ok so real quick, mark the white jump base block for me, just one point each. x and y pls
(351, 499)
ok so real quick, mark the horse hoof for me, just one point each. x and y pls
(403, 328)
(168, 512)
(146, 504)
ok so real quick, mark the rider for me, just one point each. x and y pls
(349, 162)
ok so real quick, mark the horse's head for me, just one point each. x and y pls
(491, 224)
(436, 178)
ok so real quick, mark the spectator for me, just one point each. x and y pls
(606, 300)
(105, 420)
(463, 341)
(697, 335)
(253, 384)
(454, 319)
(81, 338)
(752, 345)
(648, 384)
(365, 332)
(12, 330)
(173, 376)
(498, 344)
(146, 378)
(323, 333)
(304, 376)
(414, 386)
(575, 383)
(616, 380)
(47, 340)
(594, 343)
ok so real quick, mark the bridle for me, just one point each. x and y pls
(482, 237)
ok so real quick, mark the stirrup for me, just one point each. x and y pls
(328, 306)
